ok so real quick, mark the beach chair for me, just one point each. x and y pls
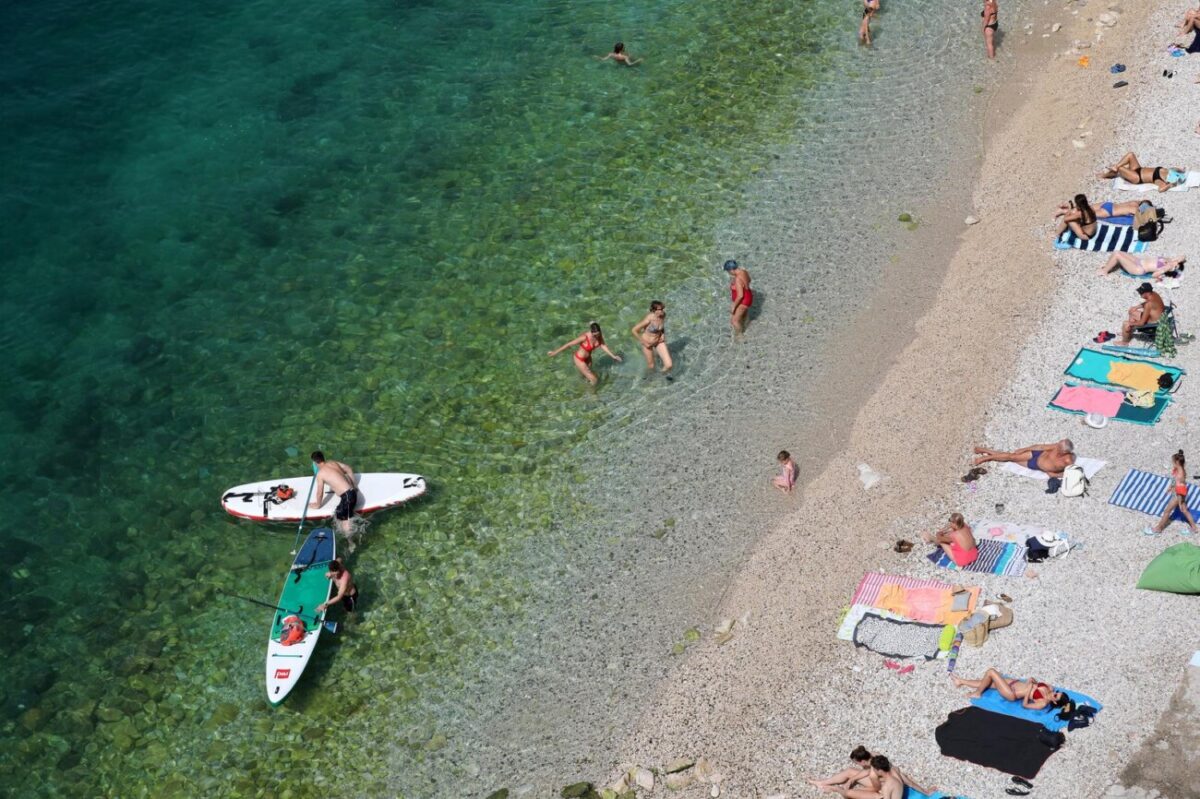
(1169, 316)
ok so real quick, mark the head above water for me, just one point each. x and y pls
(860, 755)
(657, 306)
(336, 566)
(881, 763)
(731, 265)
(318, 456)
(619, 47)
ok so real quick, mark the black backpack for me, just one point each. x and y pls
(1149, 231)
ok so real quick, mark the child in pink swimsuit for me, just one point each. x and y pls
(786, 480)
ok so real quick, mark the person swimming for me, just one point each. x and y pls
(619, 55)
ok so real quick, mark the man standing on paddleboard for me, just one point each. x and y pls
(340, 479)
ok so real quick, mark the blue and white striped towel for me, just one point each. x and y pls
(1108, 238)
(1147, 493)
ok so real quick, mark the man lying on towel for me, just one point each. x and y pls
(1048, 458)
(1146, 312)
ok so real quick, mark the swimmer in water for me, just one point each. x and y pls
(619, 55)
(651, 334)
(587, 342)
(739, 294)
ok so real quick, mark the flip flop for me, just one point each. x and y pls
(907, 669)
(1006, 598)
(1024, 783)
(1016, 792)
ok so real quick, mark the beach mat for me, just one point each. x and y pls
(1108, 238)
(1090, 467)
(898, 639)
(1192, 181)
(1047, 717)
(994, 740)
(1141, 352)
(995, 557)
(1067, 402)
(1146, 492)
(867, 592)
(1095, 366)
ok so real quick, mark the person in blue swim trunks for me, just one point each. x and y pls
(1049, 458)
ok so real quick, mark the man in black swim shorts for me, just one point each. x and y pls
(340, 479)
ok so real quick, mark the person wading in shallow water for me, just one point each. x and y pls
(739, 294)
(347, 591)
(593, 338)
(651, 333)
(340, 479)
(991, 24)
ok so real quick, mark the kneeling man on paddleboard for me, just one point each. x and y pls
(340, 479)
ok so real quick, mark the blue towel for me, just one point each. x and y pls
(1147, 493)
(991, 700)
(912, 793)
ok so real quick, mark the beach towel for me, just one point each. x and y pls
(1047, 717)
(1107, 238)
(1095, 366)
(1124, 411)
(1086, 399)
(1090, 467)
(854, 615)
(867, 592)
(898, 639)
(926, 604)
(1193, 180)
(994, 740)
(1011, 531)
(1147, 493)
(995, 557)
(912, 793)
(1142, 352)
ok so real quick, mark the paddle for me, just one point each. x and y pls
(331, 626)
(304, 515)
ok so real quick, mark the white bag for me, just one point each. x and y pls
(1074, 482)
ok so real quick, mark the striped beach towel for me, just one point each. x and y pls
(872, 583)
(1147, 493)
(995, 557)
(1108, 238)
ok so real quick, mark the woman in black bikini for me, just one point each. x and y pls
(1079, 217)
(991, 24)
(1131, 170)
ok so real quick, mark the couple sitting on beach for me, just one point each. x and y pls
(871, 777)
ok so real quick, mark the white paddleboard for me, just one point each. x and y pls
(376, 491)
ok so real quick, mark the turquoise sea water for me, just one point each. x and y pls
(233, 233)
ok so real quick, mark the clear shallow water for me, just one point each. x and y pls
(238, 232)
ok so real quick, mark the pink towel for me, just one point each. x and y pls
(1089, 400)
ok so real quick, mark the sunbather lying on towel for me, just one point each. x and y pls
(957, 541)
(1133, 172)
(860, 777)
(1048, 458)
(1034, 695)
(1146, 312)
(1081, 217)
(882, 780)
(1155, 267)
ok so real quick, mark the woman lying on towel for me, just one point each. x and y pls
(1133, 172)
(1155, 267)
(1033, 694)
(957, 541)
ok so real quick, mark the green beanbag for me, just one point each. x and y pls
(1176, 569)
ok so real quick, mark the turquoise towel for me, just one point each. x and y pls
(992, 701)
(1094, 366)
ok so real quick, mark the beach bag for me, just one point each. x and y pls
(1035, 550)
(1146, 212)
(1074, 481)
(1140, 399)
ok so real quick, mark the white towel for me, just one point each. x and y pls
(1090, 467)
(1193, 181)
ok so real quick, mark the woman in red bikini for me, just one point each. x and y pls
(740, 294)
(588, 342)
(957, 541)
(1178, 489)
(1034, 694)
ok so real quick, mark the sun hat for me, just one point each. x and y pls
(1096, 420)
(1048, 538)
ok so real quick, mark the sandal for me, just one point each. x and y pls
(1016, 792)
(1005, 598)
(1024, 783)
(903, 546)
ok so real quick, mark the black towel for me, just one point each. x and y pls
(994, 740)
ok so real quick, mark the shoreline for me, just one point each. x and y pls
(723, 702)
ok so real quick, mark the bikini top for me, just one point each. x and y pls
(654, 328)
(588, 344)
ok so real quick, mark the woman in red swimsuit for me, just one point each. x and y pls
(1178, 491)
(739, 294)
(589, 341)
(1034, 695)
